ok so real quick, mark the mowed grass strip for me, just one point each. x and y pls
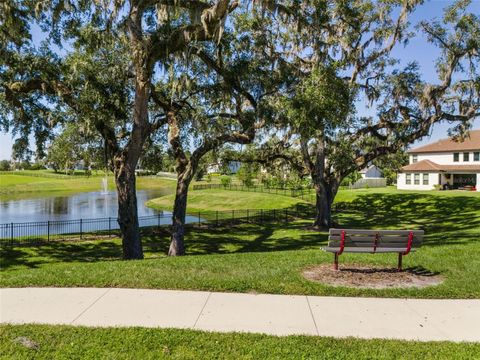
(66, 342)
(221, 200)
(270, 257)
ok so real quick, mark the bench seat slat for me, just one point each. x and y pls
(370, 232)
(370, 243)
(372, 238)
(366, 250)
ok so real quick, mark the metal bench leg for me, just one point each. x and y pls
(335, 264)
(399, 262)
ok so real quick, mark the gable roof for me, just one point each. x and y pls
(446, 145)
(366, 168)
(424, 165)
(430, 166)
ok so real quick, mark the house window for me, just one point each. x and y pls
(408, 179)
(466, 156)
(416, 179)
(425, 179)
(456, 157)
(476, 156)
(414, 158)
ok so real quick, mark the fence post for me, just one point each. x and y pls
(81, 229)
(109, 228)
(11, 232)
(48, 230)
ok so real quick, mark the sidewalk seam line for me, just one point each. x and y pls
(313, 317)
(88, 307)
(201, 311)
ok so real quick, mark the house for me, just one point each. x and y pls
(443, 164)
(371, 172)
(233, 167)
(213, 168)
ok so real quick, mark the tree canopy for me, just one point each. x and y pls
(189, 77)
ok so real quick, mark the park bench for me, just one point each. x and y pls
(373, 241)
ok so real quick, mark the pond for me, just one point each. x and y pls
(89, 205)
(62, 214)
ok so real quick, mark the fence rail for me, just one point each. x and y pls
(35, 233)
(14, 233)
(305, 194)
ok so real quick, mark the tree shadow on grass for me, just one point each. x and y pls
(227, 238)
(238, 237)
(446, 220)
(65, 251)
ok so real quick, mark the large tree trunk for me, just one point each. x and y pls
(325, 185)
(127, 212)
(125, 163)
(325, 194)
(177, 244)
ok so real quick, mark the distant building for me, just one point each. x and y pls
(80, 165)
(213, 168)
(445, 164)
(233, 167)
(371, 172)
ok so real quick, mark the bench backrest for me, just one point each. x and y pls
(375, 238)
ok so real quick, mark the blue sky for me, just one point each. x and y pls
(417, 50)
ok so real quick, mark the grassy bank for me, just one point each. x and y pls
(269, 258)
(66, 342)
(221, 200)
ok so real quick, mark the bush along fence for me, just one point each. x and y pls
(307, 194)
(35, 233)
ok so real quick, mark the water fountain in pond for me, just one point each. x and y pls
(104, 186)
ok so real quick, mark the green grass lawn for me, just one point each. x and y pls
(66, 342)
(269, 258)
(221, 200)
(42, 183)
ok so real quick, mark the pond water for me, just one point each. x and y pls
(89, 205)
(62, 214)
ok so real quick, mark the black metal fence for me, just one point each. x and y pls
(307, 194)
(84, 229)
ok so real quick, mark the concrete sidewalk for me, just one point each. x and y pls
(409, 319)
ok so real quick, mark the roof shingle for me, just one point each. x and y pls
(430, 166)
(445, 145)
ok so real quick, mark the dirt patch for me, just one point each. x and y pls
(372, 277)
